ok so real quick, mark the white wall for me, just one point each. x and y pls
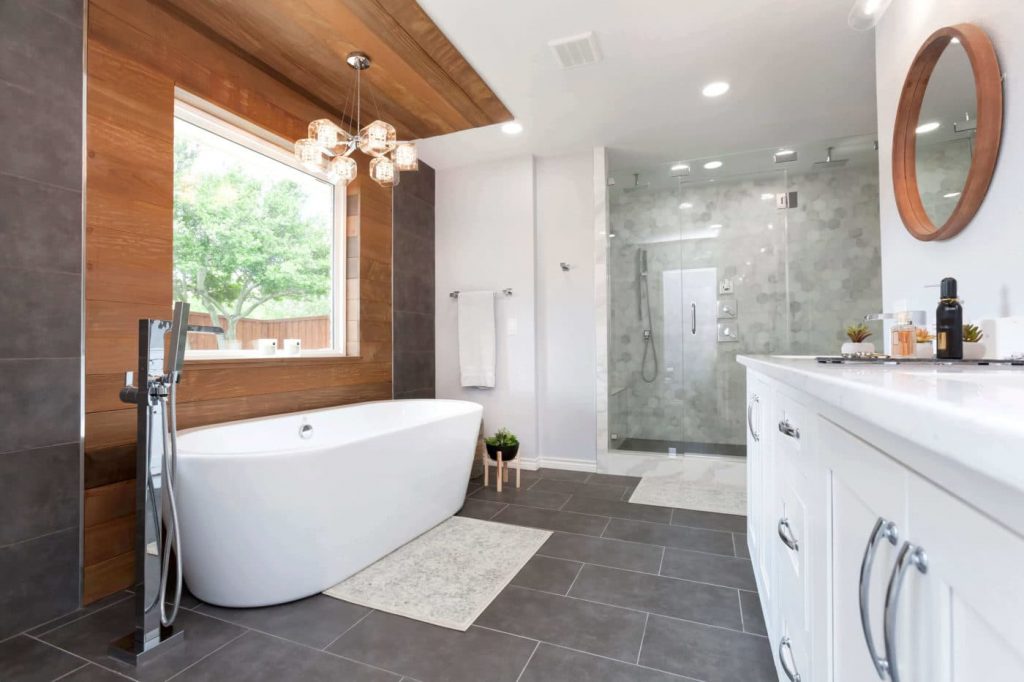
(987, 258)
(566, 354)
(485, 240)
(510, 223)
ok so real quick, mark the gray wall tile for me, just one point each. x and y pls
(39, 402)
(35, 217)
(40, 491)
(42, 312)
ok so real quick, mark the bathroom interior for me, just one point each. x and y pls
(442, 341)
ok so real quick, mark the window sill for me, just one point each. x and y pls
(251, 358)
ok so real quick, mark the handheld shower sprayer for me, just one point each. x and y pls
(156, 525)
(643, 297)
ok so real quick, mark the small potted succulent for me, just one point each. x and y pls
(924, 344)
(504, 441)
(974, 349)
(858, 343)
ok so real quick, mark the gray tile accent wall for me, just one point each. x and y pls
(413, 270)
(41, 117)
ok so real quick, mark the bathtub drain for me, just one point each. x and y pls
(306, 431)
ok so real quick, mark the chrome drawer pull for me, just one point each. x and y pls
(786, 535)
(910, 555)
(785, 644)
(787, 429)
(754, 400)
(887, 530)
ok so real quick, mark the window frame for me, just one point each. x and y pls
(228, 126)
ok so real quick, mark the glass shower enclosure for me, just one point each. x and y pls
(704, 266)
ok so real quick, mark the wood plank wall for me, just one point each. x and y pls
(137, 54)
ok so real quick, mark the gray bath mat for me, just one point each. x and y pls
(448, 575)
(703, 484)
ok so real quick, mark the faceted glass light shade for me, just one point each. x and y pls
(326, 133)
(377, 139)
(310, 154)
(341, 169)
(406, 157)
(383, 171)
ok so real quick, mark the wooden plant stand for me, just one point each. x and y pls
(502, 473)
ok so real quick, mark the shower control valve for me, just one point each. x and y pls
(647, 334)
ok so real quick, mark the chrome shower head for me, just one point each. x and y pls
(637, 185)
(829, 162)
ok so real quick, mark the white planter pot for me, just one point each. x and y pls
(863, 348)
(974, 350)
(924, 350)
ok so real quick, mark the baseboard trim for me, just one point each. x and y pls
(552, 463)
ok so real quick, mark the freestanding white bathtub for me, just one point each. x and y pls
(283, 507)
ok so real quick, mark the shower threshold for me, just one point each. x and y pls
(681, 447)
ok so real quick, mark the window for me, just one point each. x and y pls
(258, 241)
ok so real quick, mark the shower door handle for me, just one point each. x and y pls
(693, 318)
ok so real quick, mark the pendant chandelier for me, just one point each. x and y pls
(328, 149)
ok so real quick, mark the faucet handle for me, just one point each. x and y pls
(129, 378)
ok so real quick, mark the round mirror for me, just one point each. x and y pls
(948, 127)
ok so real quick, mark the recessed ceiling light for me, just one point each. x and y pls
(767, 196)
(716, 226)
(680, 167)
(712, 165)
(611, 235)
(951, 195)
(512, 128)
(928, 127)
(716, 89)
(770, 226)
(685, 205)
(763, 249)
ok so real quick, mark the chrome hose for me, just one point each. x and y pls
(173, 542)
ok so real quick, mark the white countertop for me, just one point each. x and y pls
(973, 415)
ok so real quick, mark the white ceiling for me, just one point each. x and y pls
(798, 74)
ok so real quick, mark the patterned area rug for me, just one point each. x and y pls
(448, 575)
(703, 484)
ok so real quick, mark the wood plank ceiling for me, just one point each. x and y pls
(418, 82)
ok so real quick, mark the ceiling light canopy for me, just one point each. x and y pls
(712, 165)
(927, 127)
(715, 89)
(328, 149)
(865, 14)
(512, 128)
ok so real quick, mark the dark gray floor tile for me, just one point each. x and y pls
(710, 520)
(542, 499)
(588, 489)
(109, 600)
(434, 654)
(315, 621)
(473, 486)
(481, 509)
(23, 659)
(706, 653)
(709, 568)
(753, 616)
(596, 628)
(564, 474)
(614, 479)
(620, 510)
(42, 491)
(616, 553)
(680, 537)
(90, 637)
(668, 596)
(550, 519)
(547, 574)
(256, 657)
(40, 578)
(740, 542)
(92, 673)
(555, 664)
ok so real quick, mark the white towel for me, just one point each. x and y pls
(476, 338)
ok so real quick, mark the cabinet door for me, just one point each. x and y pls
(960, 619)
(792, 549)
(758, 479)
(866, 486)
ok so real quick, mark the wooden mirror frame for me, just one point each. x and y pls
(988, 87)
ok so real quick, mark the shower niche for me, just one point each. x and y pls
(707, 266)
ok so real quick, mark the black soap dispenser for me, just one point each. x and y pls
(949, 323)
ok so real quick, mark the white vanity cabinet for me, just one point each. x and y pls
(851, 544)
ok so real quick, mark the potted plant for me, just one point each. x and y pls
(974, 349)
(858, 343)
(504, 441)
(924, 343)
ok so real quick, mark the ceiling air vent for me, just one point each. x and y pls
(578, 50)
